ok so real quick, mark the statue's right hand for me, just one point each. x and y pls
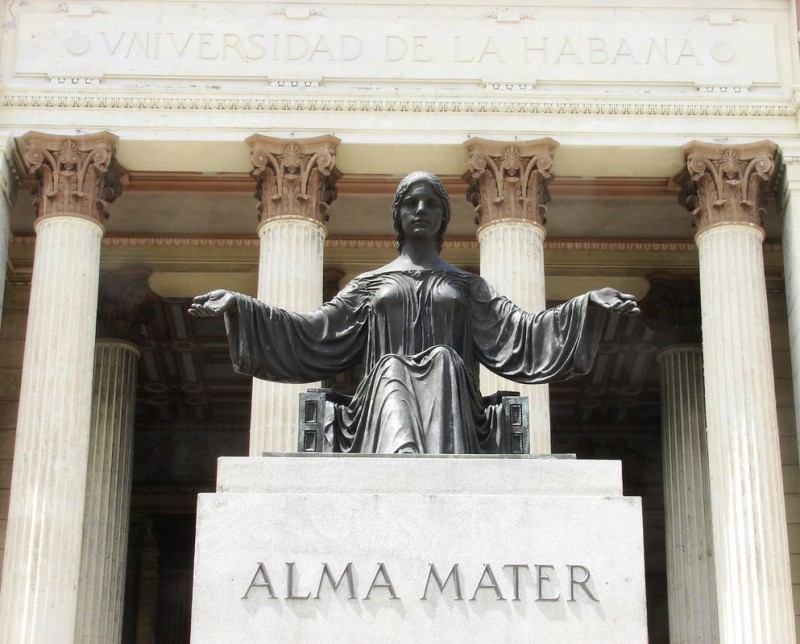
(212, 304)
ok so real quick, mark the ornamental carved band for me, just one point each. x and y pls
(294, 177)
(76, 175)
(509, 180)
(727, 183)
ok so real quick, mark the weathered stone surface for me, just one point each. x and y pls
(384, 544)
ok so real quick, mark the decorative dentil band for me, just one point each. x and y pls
(509, 180)
(77, 175)
(727, 183)
(294, 177)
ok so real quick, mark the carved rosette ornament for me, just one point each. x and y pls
(508, 181)
(295, 178)
(77, 175)
(727, 183)
(125, 303)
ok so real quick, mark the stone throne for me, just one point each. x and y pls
(316, 405)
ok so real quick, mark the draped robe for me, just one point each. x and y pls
(419, 336)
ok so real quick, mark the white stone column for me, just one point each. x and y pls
(724, 188)
(8, 195)
(124, 301)
(791, 271)
(295, 185)
(38, 601)
(691, 588)
(508, 187)
(672, 310)
(108, 493)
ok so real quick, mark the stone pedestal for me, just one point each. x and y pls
(508, 187)
(38, 601)
(426, 549)
(295, 185)
(724, 188)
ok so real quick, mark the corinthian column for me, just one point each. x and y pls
(124, 299)
(295, 184)
(672, 309)
(724, 187)
(508, 187)
(77, 176)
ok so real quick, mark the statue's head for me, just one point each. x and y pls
(405, 185)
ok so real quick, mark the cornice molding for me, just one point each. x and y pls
(456, 105)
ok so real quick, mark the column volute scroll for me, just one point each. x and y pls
(727, 184)
(509, 180)
(295, 178)
(77, 175)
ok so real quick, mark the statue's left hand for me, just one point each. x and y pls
(213, 304)
(612, 300)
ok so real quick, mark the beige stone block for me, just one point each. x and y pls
(793, 514)
(11, 353)
(794, 559)
(14, 325)
(5, 496)
(786, 422)
(8, 414)
(791, 479)
(9, 383)
(17, 298)
(788, 450)
(793, 531)
(782, 364)
(7, 443)
(784, 393)
(777, 306)
(5, 474)
(779, 332)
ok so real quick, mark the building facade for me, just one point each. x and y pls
(650, 146)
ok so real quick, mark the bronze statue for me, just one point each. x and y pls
(419, 327)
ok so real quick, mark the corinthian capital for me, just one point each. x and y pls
(77, 175)
(294, 177)
(509, 180)
(727, 183)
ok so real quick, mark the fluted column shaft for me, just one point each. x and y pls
(754, 593)
(508, 187)
(295, 184)
(38, 601)
(108, 494)
(289, 277)
(791, 272)
(691, 588)
(512, 260)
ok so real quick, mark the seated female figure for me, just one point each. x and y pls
(420, 328)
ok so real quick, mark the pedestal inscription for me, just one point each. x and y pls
(355, 561)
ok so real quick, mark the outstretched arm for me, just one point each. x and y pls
(213, 304)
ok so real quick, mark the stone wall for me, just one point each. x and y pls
(12, 338)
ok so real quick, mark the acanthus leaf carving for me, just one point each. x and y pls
(727, 183)
(294, 178)
(509, 181)
(76, 175)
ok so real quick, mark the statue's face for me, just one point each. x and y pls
(421, 212)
